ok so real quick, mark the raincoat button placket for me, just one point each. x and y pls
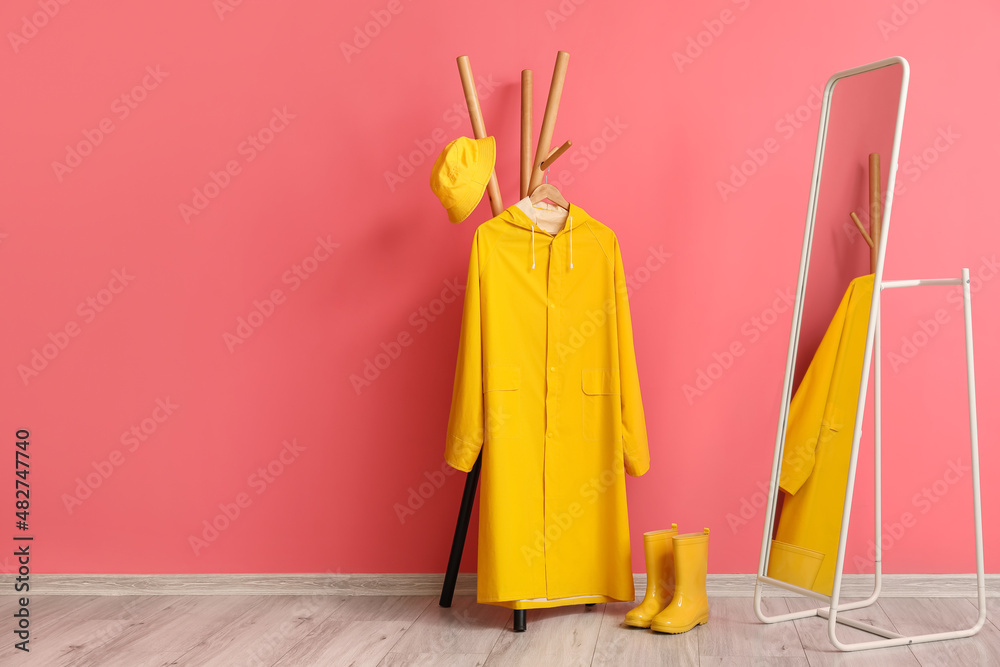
(552, 384)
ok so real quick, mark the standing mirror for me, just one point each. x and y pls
(843, 246)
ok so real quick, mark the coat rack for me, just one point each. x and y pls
(532, 172)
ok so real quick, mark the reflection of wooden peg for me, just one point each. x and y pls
(861, 228)
(555, 155)
(874, 205)
(478, 126)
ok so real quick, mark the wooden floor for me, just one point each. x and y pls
(137, 631)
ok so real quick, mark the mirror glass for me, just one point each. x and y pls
(835, 302)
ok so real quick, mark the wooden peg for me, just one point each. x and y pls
(525, 131)
(555, 155)
(874, 205)
(861, 228)
(478, 126)
(549, 119)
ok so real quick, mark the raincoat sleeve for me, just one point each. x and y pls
(634, 442)
(465, 423)
(825, 403)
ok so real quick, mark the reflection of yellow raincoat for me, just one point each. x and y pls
(546, 384)
(817, 451)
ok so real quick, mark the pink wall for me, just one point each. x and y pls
(244, 223)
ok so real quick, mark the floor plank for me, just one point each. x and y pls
(555, 637)
(992, 610)
(84, 624)
(264, 632)
(464, 628)
(395, 659)
(45, 608)
(361, 631)
(138, 658)
(355, 643)
(717, 661)
(813, 633)
(379, 608)
(619, 644)
(52, 612)
(926, 615)
(734, 631)
(179, 623)
(69, 644)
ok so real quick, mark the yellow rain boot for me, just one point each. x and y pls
(689, 606)
(659, 577)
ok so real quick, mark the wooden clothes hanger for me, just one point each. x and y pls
(550, 192)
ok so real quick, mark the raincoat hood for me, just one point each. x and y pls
(543, 218)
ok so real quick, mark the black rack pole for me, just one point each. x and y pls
(462, 527)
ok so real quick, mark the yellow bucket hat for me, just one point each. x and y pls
(460, 175)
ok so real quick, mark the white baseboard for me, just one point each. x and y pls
(718, 585)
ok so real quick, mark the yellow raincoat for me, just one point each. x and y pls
(817, 450)
(546, 385)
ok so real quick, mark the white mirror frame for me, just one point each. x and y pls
(871, 345)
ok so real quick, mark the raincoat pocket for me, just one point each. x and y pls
(502, 401)
(602, 418)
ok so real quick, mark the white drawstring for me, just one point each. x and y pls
(570, 243)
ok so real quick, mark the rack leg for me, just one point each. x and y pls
(462, 527)
(520, 620)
